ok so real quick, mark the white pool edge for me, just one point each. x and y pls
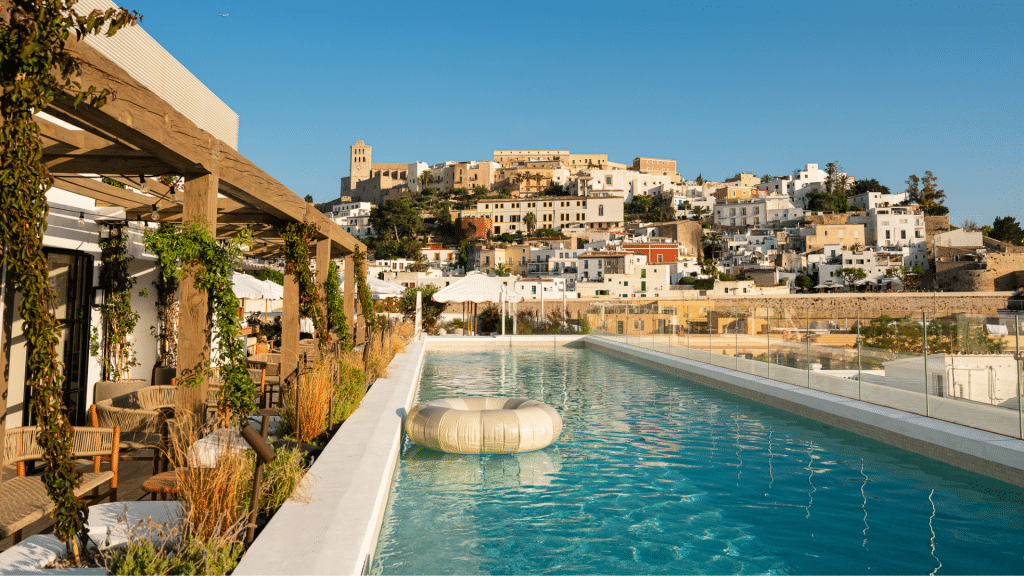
(337, 531)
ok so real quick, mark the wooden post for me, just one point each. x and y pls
(350, 295)
(290, 329)
(5, 353)
(323, 264)
(200, 205)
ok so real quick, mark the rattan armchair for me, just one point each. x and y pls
(142, 417)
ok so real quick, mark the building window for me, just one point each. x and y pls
(903, 234)
(643, 272)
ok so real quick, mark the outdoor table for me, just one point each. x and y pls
(161, 485)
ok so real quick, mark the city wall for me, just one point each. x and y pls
(937, 304)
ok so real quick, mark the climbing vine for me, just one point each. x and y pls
(212, 263)
(373, 320)
(35, 69)
(166, 331)
(337, 322)
(297, 236)
(119, 319)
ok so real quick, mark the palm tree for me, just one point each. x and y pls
(714, 240)
(501, 270)
(538, 177)
(531, 221)
(426, 177)
(527, 176)
(700, 211)
(708, 268)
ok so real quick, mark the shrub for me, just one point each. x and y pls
(704, 284)
(192, 556)
(431, 310)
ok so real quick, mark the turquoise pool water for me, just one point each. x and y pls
(655, 474)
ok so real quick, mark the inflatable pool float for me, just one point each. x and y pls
(483, 425)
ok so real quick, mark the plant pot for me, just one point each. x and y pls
(162, 376)
(106, 389)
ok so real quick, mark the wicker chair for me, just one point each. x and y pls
(272, 380)
(23, 499)
(142, 416)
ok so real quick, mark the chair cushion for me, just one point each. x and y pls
(24, 500)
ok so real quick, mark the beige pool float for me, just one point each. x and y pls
(483, 425)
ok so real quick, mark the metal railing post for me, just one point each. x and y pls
(859, 377)
(1017, 364)
(807, 331)
(924, 346)
(768, 333)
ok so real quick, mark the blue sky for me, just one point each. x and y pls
(886, 89)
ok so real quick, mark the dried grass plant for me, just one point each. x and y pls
(306, 416)
(212, 498)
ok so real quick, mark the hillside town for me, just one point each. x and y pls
(567, 225)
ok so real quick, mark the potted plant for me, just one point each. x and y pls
(114, 348)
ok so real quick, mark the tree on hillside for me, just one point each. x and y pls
(804, 282)
(396, 228)
(868, 185)
(699, 180)
(851, 275)
(308, 198)
(1007, 229)
(766, 178)
(925, 193)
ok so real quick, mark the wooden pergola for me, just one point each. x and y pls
(138, 134)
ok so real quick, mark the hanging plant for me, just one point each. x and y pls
(36, 68)
(337, 322)
(119, 320)
(297, 237)
(213, 263)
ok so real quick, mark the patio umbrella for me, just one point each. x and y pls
(475, 289)
(379, 288)
(245, 286)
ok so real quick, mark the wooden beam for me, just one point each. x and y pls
(80, 139)
(195, 331)
(97, 164)
(137, 116)
(111, 194)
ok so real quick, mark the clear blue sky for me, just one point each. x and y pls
(886, 89)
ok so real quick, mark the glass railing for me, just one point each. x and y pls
(959, 367)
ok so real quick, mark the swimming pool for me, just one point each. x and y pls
(657, 474)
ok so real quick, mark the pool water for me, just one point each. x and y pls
(656, 474)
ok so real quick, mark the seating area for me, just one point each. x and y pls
(25, 500)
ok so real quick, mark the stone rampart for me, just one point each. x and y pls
(937, 304)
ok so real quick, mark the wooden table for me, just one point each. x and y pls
(161, 485)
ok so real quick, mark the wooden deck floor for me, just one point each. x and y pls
(130, 476)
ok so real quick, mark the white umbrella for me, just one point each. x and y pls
(476, 288)
(245, 286)
(378, 288)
